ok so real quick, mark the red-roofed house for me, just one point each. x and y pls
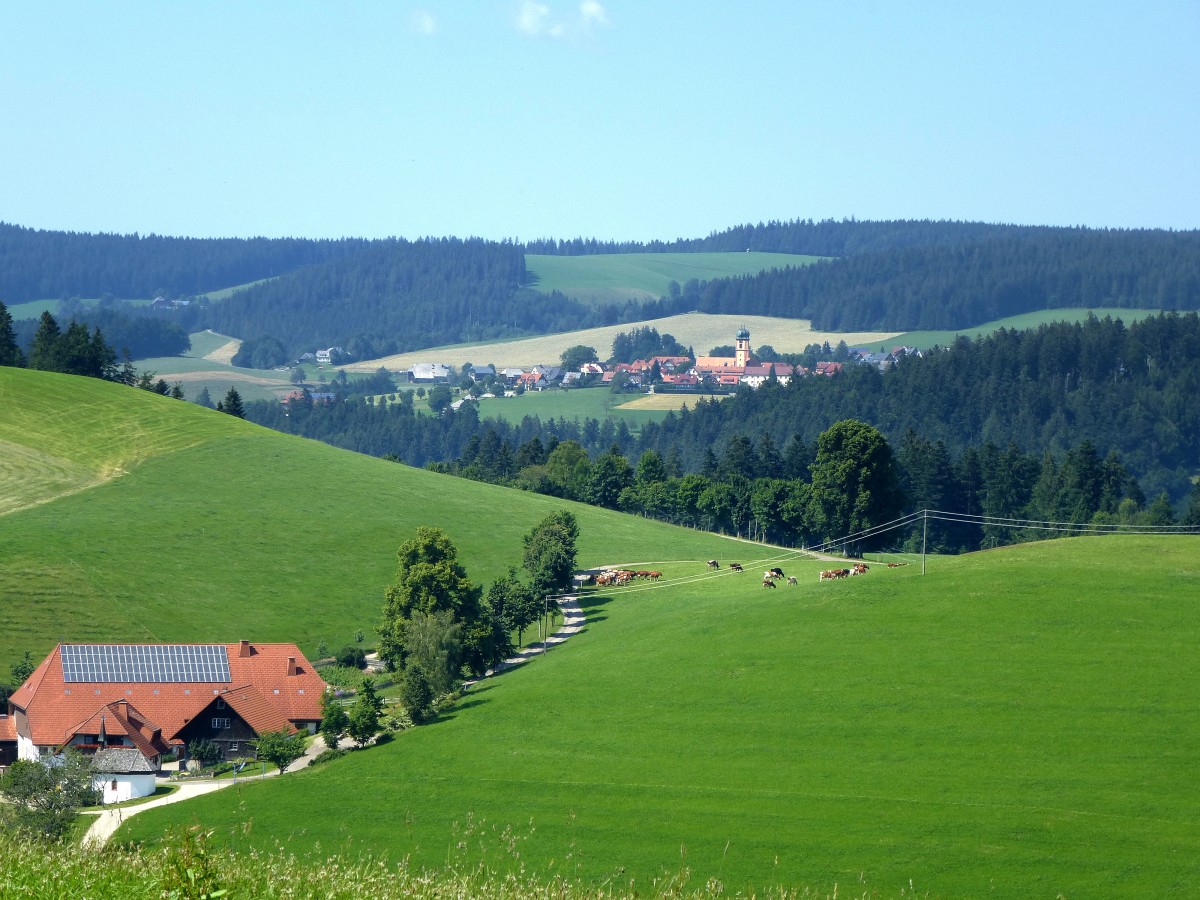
(154, 698)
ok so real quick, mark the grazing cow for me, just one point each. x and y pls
(827, 575)
(896, 565)
(769, 582)
(841, 573)
(654, 576)
(736, 567)
(792, 579)
(776, 572)
(713, 564)
(860, 569)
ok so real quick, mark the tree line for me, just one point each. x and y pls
(1129, 389)
(41, 265)
(1126, 389)
(848, 479)
(950, 286)
(373, 298)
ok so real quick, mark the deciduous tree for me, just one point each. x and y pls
(43, 800)
(281, 748)
(429, 579)
(854, 485)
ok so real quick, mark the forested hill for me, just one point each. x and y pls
(397, 295)
(384, 296)
(1130, 389)
(828, 237)
(961, 285)
(37, 264)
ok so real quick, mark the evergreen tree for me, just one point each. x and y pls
(232, 404)
(10, 352)
(44, 354)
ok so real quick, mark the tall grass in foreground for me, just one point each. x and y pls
(187, 868)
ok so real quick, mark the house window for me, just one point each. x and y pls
(114, 784)
(233, 745)
(220, 704)
(220, 724)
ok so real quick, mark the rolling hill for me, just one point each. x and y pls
(1016, 722)
(1020, 722)
(132, 516)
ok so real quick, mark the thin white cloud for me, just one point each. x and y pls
(532, 18)
(539, 20)
(423, 22)
(593, 13)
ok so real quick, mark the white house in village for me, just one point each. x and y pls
(429, 372)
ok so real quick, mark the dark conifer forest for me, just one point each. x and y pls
(975, 427)
(374, 297)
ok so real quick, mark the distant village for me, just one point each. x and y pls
(661, 374)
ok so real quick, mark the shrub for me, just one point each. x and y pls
(327, 756)
(351, 657)
(204, 750)
(416, 694)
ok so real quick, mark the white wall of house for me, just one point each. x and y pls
(119, 788)
(26, 749)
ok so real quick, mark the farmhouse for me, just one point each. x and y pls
(428, 372)
(153, 699)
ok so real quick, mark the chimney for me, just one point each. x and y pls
(244, 649)
(291, 665)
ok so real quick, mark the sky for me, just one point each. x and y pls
(613, 119)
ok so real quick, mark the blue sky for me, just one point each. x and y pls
(608, 118)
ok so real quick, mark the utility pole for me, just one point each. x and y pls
(924, 536)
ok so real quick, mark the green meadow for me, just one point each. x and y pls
(617, 277)
(924, 340)
(598, 403)
(1018, 722)
(137, 517)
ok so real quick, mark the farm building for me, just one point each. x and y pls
(154, 698)
(428, 372)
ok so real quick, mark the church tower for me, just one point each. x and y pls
(742, 348)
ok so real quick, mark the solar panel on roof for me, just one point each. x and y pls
(145, 662)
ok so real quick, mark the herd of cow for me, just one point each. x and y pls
(621, 577)
(831, 574)
(769, 577)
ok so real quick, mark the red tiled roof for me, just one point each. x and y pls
(121, 719)
(8, 728)
(54, 706)
(257, 711)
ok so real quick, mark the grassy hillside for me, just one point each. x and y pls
(617, 277)
(195, 526)
(923, 340)
(61, 434)
(1017, 723)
